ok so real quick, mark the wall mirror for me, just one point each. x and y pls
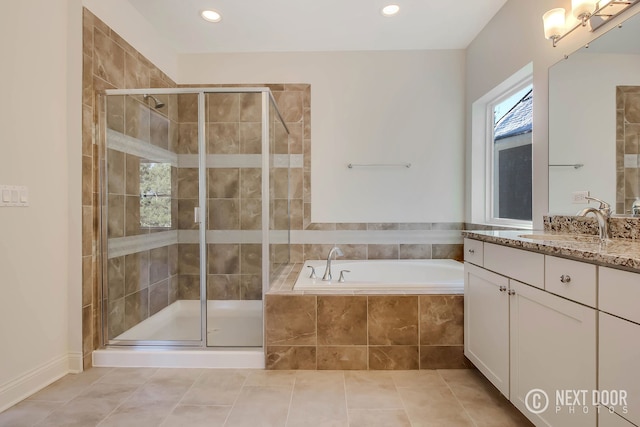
(594, 122)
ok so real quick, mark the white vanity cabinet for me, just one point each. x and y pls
(486, 324)
(619, 342)
(553, 347)
(522, 337)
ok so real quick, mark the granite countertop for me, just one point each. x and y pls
(617, 253)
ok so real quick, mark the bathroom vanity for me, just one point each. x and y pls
(553, 320)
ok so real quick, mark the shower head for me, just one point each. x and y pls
(158, 104)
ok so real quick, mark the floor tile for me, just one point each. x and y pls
(216, 387)
(260, 406)
(27, 413)
(138, 413)
(434, 407)
(318, 400)
(128, 376)
(248, 397)
(371, 390)
(378, 418)
(482, 401)
(271, 378)
(80, 412)
(197, 416)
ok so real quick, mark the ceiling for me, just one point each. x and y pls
(317, 25)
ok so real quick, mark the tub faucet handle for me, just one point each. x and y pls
(313, 272)
(341, 279)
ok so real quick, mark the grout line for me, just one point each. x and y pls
(183, 396)
(464, 408)
(293, 390)
(233, 405)
(346, 403)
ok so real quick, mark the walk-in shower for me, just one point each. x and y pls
(195, 215)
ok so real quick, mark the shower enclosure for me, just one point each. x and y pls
(195, 214)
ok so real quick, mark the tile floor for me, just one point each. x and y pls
(211, 397)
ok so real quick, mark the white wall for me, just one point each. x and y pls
(369, 107)
(35, 145)
(582, 125)
(513, 38)
(125, 20)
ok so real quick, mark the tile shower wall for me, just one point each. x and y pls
(109, 62)
(139, 283)
(627, 147)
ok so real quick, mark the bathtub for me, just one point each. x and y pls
(428, 276)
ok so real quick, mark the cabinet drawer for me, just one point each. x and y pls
(473, 252)
(526, 267)
(571, 279)
(618, 355)
(619, 293)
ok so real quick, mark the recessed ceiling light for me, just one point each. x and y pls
(390, 10)
(211, 16)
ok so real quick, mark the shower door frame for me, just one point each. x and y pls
(267, 97)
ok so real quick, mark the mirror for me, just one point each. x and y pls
(594, 122)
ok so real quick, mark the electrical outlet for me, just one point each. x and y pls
(579, 197)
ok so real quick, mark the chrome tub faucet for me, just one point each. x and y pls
(327, 272)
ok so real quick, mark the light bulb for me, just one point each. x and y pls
(553, 22)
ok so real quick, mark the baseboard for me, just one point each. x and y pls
(34, 380)
(75, 363)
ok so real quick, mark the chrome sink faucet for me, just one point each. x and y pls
(602, 214)
(327, 272)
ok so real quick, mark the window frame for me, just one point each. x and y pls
(479, 184)
(491, 164)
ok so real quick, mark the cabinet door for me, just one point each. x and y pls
(619, 349)
(486, 324)
(553, 348)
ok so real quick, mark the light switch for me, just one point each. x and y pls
(6, 195)
(24, 195)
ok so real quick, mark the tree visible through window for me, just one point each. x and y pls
(511, 174)
(155, 194)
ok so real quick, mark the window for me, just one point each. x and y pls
(500, 185)
(155, 194)
(511, 156)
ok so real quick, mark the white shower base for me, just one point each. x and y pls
(230, 324)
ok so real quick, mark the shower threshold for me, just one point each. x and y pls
(234, 337)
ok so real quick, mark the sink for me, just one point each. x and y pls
(586, 238)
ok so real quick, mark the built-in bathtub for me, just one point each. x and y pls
(428, 276)
(387, 314)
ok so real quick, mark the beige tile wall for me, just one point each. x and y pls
(627, 144)
(109, 62)
(376, 332)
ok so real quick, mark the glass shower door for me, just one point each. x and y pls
(151, 283)
(235, 219)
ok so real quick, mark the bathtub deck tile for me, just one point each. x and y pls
(394, 357)
(342, 357)
(342, 320)
(441, 320)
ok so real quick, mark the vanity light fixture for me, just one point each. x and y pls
(211, 15)
(390, 10)
(591, 12)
